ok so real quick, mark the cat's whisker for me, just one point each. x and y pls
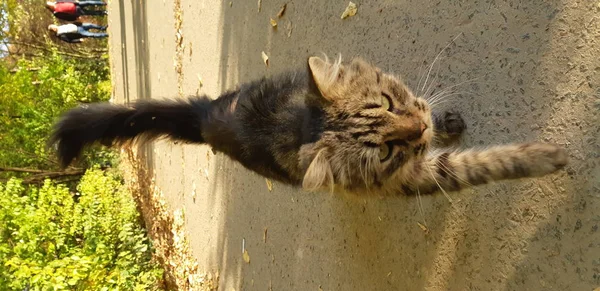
(453, 174)
(421, 72)
(443, 94)
(438, 184)
(420, 203)
(445, 99)
(446, 90)
(363, 174)
(436, 59)
(431, 86)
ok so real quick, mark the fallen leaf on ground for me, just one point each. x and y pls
(282, 11)
(350, 10)
(265, 58)
(194, 191)
(265, 235)
(269, 185)
(423, 227)
(289, 28)
(259, 4)
(273, 22)
(179, 37)
(200, 84)
(246, 256)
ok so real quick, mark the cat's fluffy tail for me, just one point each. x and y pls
(109, 123)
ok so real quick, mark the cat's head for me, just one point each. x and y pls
(375, 127)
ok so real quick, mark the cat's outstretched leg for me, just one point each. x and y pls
(452, 171)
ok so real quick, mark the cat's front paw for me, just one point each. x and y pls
(449, 124)
(545, 158)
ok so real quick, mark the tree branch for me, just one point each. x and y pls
(47, 50)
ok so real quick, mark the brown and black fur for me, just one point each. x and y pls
(325, 127)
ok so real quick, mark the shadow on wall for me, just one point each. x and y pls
(526, 235)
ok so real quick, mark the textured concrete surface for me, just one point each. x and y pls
(533, 72)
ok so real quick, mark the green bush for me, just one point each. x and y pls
(53, 239)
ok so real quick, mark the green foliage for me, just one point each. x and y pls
(52, 239)
(34, 95)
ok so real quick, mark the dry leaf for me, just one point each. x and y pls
(230, 3)
(259, 4)
(282, 11)
(200, 84)
(289, 28)
(265, 58)
(179, 37)
(320, 289)
(265, 235)
(423, 227)
(246, 256)
(273, 22)
(194, 191)
(269, 185)
(350, 10)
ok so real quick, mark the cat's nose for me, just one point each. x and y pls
(416, 130)
(423, 127)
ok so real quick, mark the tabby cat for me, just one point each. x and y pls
(344, 127)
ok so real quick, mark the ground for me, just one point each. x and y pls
(525, 70)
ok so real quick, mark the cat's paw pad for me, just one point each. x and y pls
(453, 124)
(547, 158)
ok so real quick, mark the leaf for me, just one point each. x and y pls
(73, 281)
(246, 256)
(269, 185)
(194, 191)
(265, 59)
(350, 10)
(282, 11)
(273, 23)
(265, 234)
(259, 5)
(423, 227)
(289, 28)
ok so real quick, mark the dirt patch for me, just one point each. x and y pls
(165, 228)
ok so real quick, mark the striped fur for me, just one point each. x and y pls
(456, 170)
(346, 127)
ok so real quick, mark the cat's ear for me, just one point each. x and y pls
(325, 75)
(319, 173)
